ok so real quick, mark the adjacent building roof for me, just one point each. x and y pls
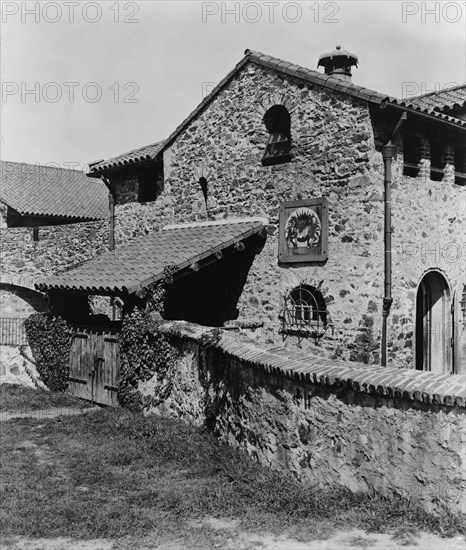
(442, 100)
(36, 190)
(303, 74)
(142, 261)
(148, 152)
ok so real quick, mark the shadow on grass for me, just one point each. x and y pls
(20, 399)
(115, 474)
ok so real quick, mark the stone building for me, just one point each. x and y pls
(364, 200)
(51, 219)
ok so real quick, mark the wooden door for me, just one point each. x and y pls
(433, 324)
(94, 365)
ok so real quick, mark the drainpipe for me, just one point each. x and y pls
(388, 152)
(111, 235)
(111, 207)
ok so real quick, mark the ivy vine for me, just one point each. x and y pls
(145, 351)
(208, 342)
(50, 344)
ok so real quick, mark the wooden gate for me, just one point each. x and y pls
(94, 365)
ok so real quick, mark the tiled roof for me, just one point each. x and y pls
(443, 100)
(36, 190)
(313, 77)
(148, 152)
(392, 382)
(308, 76)
(140, 262)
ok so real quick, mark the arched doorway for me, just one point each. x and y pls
(459, 329)
(433, 324)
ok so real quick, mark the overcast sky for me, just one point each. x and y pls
(83, 81)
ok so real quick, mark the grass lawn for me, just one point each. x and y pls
(113, 474)
(15, 398)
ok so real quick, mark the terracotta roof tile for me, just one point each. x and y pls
(36, 190)
(445, 389)
(429, 105)
(147, 152)
(442, 100)
(140, 262)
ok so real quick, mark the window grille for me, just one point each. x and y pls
(12, 331)
(304, 313)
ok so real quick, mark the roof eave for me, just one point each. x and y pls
(128, 165)
(457, 124)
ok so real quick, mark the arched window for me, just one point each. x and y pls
(305, 311)
(278, 148)
(203, 184)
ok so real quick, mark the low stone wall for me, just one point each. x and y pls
(389, 430)
(16, 367)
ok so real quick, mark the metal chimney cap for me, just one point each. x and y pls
(344, 56)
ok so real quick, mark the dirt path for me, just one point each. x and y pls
(234, 540)
(45, 413)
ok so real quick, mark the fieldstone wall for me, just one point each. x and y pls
(333, 155)
(329, 423)
(17, 302)
(16, 367)
(23, 260)
(59, 247)
(429, 225)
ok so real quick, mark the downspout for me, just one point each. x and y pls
(111, 207)
(388, 152)
(111, 234)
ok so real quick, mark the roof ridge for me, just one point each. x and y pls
(291, 70)
(323, 78)
(38, 165)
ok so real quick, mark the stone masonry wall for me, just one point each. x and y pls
(23, 261)
(334, 155)
(328, 423)
(59, 247)
(429, 224)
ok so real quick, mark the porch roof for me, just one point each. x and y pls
(142, 261)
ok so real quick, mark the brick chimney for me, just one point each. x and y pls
(338, 63)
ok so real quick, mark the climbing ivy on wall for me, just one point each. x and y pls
(50, 344)
(212, 405)
(145, 351)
